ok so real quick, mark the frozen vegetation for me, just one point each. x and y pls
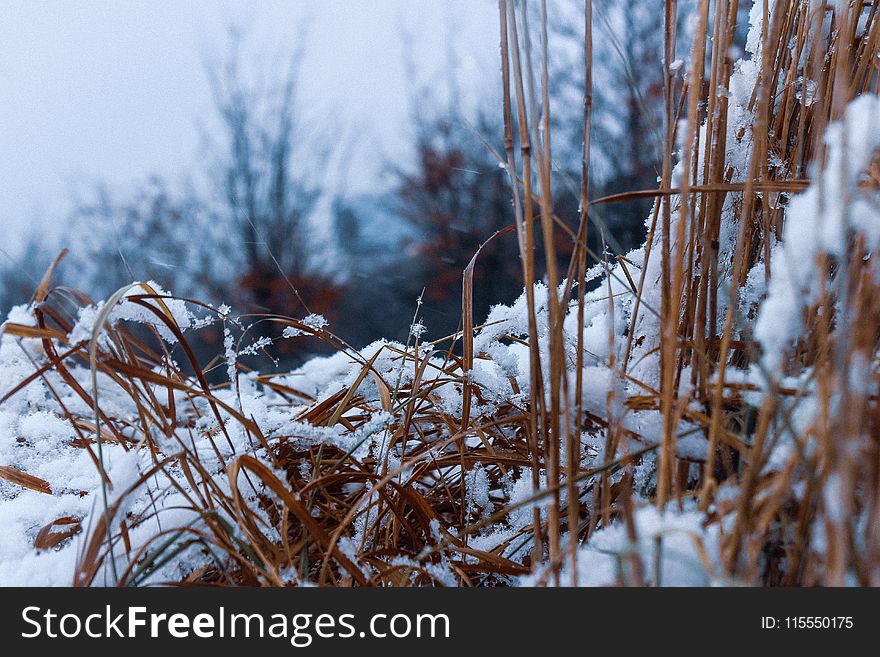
(751, 461)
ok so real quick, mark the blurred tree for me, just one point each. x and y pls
(265, 194)
(145, 236)
(454, 198)
(627, 121)
(20, 276)
(241, 234)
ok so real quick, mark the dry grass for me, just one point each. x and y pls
(420, 510)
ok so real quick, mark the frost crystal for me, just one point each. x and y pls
(316, 322)
(418, 329)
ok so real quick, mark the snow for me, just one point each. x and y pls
(316, 322)
(820, 220)
(21, 314)
(805, 90)
(175, 310)
(670, 538)
(478, 488)
(43, 425)
(417, 330)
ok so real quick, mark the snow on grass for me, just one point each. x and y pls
(389, 413)
(821, 221)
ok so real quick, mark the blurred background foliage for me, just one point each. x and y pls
(258, 227)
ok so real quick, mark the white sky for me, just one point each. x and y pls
(101, 90)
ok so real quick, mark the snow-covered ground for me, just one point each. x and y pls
(51, 479)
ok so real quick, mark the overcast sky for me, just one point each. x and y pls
(111, 91)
